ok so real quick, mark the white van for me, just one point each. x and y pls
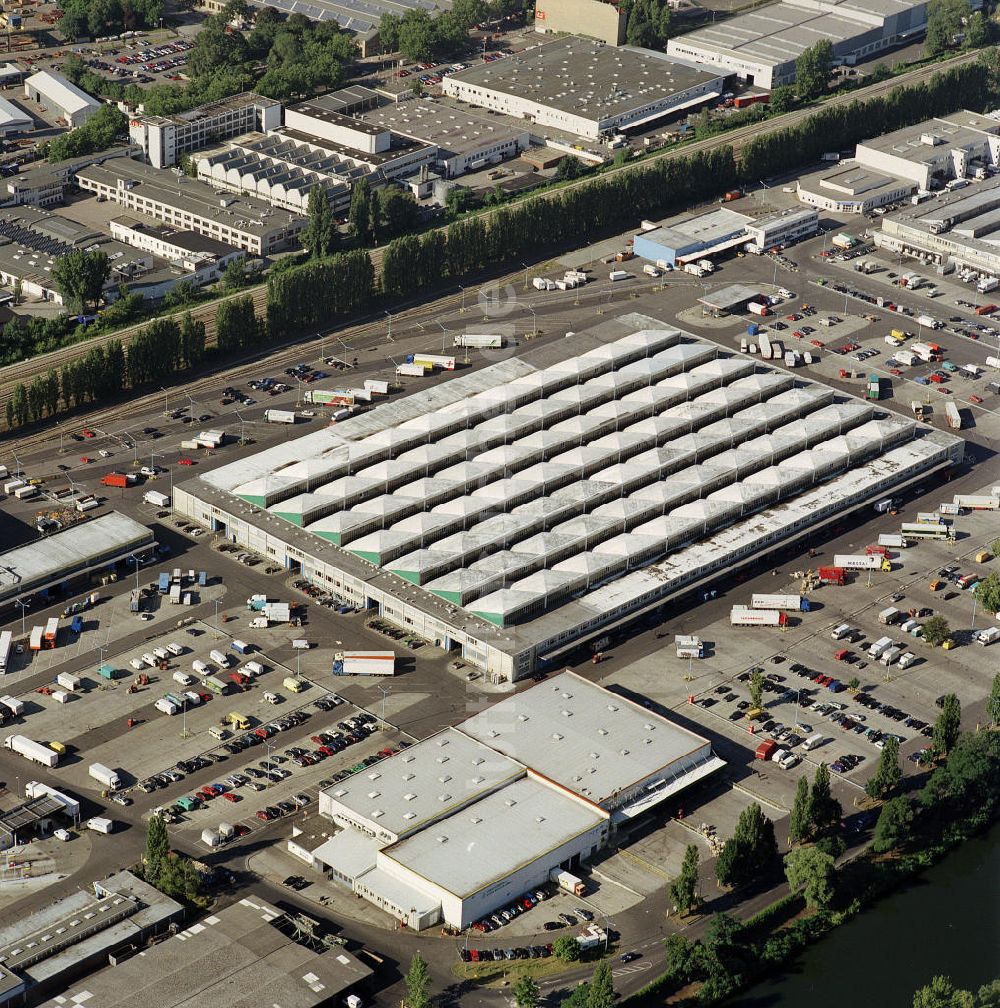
(136, 663)
(219, 733)
(200, 667)
(183, 678)
(150, 659)
(839, 633)
(813, 742)
(162, 653)
(175, 649)
(220, 659)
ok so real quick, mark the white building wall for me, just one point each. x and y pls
(462, 911)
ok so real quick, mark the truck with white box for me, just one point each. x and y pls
(105, 775)
(31, 750)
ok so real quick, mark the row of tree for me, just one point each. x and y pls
(95, 18)
(153, 357)
(418, 36)
(101, 131)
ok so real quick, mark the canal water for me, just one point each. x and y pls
(946, 921)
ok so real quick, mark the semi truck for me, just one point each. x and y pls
(432, 361)
(379, 663)
(479, 341)
(796, 603)
(105, 775)
(335, 397)
(567, 881)
(742, 616)
(859, 561)
(35, 638)
(51, 634)
(31, 750)
(976, 502)
(279, 416)
(6, 638)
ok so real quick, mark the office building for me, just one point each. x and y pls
(190, 205)
(164, 139)
(510, 513)
(192, 251)
(584, 88)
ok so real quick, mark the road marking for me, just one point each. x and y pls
(637, 968)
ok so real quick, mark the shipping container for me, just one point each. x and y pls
(69, 681)
(765, 750)
(892, 539)
(616, 275)
(432, 360)
(26, 492)
(379, 663)
(117, 479)
(758, 308)
(412, 370)
(378, 387)
(35, 639)
(925, 530)
(51, 634)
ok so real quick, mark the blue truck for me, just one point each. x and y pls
(164, 583)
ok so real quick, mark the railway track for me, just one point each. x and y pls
(26, 371)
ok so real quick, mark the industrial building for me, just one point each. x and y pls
(600, 20)
(248, 953)
(690, 237)
(463, 142)
(960, 229)
(468, 819)
(324, 142)
(510, 513)
(585, 88)
(60, 97)
(762, 45)
(43, 951)
(13, 119)
(188, 204)
(164, 139)
(925, 156)
(75, 552)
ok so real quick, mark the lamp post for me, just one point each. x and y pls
(135, 560)
(23, 606)
(217, 603)
(385, 691)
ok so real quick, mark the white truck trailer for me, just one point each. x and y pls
(31, 750)
(859, 561)
(156, 498)
(479, 341)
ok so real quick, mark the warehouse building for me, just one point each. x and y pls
(13, 119)
(248, 953)
(468, 819)
(959, 229)
(188, 204)
(690, 237)
(512, 512)
(60, 97)
(600, 20)
(585, 88)
(762, 45)
(43, 951)
(463, 142)
(925, 156)
(853, 188)
(164, 139)
(72, 553)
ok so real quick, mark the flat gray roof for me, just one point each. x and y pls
(707, 228)
(939, 135)
(454, 131)
(780, 32)
(494, 837)
(580, 735)
(234, 958)
(424, 782)
(735, 296)
(242, 213)
(73, 550)
(586, 78)
(246, 99)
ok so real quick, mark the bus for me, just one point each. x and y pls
(5, 646)
(925, 530)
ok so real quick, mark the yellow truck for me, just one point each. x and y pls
(982, 556)
(293, 684)
(238, 721)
